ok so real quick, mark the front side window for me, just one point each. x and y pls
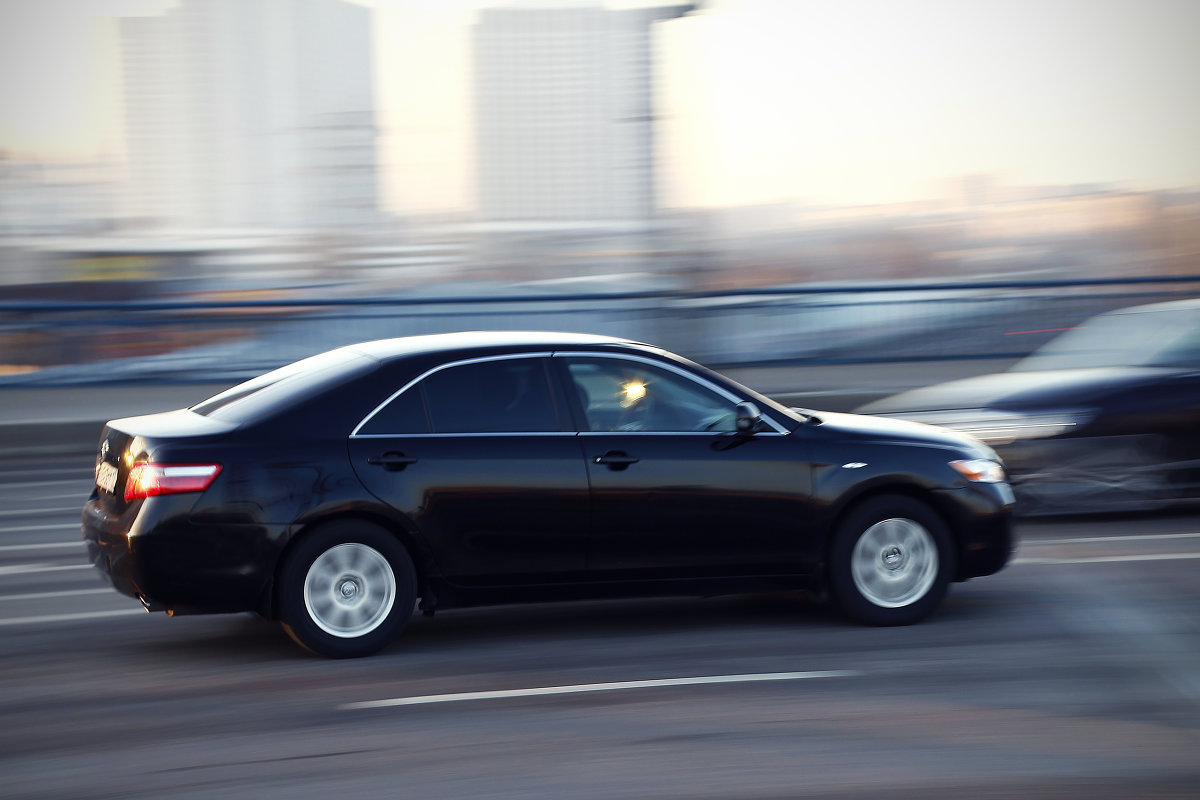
(500, 396)
(624, 395)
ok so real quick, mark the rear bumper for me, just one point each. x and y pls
(170, 563)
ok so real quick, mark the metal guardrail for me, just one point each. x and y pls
(45, 343)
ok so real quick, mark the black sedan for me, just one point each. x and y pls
(1104, 417)
(475, 468)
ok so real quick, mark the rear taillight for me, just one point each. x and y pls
(149, 480)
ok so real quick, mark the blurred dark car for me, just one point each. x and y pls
(1104, 417)
(476, 468)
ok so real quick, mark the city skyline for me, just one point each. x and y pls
(762, 100)
(565, 114)
(250, 113)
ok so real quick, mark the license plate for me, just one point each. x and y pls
(106, 477)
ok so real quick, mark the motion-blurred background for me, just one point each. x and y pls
(204, 189)
(834, 200)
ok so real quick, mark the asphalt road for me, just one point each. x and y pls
(1073, 673)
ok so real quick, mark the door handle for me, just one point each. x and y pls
(616, 460)
(393, 462)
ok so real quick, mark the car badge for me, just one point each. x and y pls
(104, 449)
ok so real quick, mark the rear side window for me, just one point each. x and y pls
(501, 396)
(404, 414)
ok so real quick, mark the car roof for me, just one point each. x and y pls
(383, 349)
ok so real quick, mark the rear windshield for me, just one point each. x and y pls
(283, 388)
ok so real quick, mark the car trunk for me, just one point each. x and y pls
(125, 442)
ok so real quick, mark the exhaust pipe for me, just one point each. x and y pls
(148, 604)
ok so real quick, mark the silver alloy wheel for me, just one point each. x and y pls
(894, 563)
(349, 590)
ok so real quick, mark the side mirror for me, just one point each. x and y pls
(748, 417)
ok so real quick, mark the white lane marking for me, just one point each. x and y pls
(55, 595)
(580, 688)
(6, 548)
(64, 526)
(81, 496)
(29, 569)
(1133, 537)
(122, 612)
(25, 473)
(33, 512)
(86, 482)
(1109, 559)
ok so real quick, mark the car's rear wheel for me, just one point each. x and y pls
(891, 561)
(346, 589)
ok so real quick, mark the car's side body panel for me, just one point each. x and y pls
(493, 510)
(698, 505)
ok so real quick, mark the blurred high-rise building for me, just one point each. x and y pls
(564, 114)
(251, 113)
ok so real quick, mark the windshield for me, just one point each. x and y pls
(1167, 338)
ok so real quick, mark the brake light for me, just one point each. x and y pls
(149, 480)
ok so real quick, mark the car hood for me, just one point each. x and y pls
(1019, 390)
(863, 427)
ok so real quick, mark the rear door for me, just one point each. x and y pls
(478, 456)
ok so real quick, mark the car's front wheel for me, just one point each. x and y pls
(891, 561)
(346, 589)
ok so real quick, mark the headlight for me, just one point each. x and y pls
(1002, 427)
(980, 470)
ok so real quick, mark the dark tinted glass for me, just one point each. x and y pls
(509, 395)
(404, 414)
(620, 395)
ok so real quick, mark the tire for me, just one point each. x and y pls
(346, 589)
(891, 561)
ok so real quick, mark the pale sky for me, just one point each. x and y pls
(846, 102)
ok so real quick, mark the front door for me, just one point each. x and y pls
(676, 492)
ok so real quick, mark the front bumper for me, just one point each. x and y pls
(982, 515)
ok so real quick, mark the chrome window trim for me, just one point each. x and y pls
(495, 434)
(354, 434)
(779, 429)
(675, 433)
(475, 434)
